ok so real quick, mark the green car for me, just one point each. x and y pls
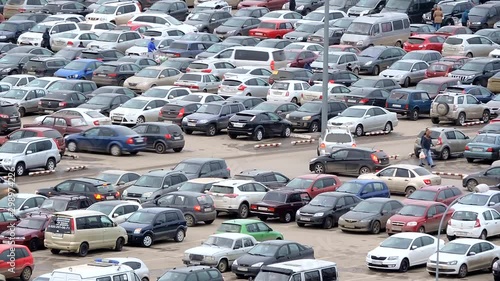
(256, 228)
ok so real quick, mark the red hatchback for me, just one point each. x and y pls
(440, 69)
(450, 30)
(299, 58)
(272, 29)
(424, 42)
(315, 184)
(419, 216)
(445, 194)
(23, 264)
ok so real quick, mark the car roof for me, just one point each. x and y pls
(436, 187)
(200, 160)
(441, 79)
(156, 210)
(410, 235)
(189, 269)
(407, 166)
(476, 209)
(160, 172)
(233, 183)
(116, 202)
(241, 221)
(314, 176)
(380, 200)
(28, 140)
(468, 241)
(302, 265)
(205, 180)
(78, 213)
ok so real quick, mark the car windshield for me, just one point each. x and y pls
(16, 94)
(274, 15)
(308, 28)
(275, 196)
(107, 177)
(396, 243)
(323, 201)
(488, 139)
(54, 205)
(342, 23)
(264, 250)
(313, 107)
(367, 3)
(200, 17)
(291, 55)
(100, 100)
(401, 65)
(149, 181)
(148, 73)
(192, 186)
(106, 10)
(188, 168)
(105, 209)
(350, 187)
(212, 109)
(368, 207)
(220, 242)
(135, 104)
(10, 59)
(364, 83)
(315, 16)
(38, 83)
(141, 217)
(472, 199)
(353, 112)
(40, 28)
(269, 107)
(155, 93)
(12, 147)
(76, 65)
(424, 195)
(331, 58)
(234, 22)
(61, 85)
(468, 66)
(371, 53)
(108, 37)
(31, 223)
(359, 28)
(464, 216)
(193, 97)
(413, 211)
(414, 56)
(428, 87)
(9, 202)
(479, 11)
(298, 183)
(7, 26)
(455, 248)
(172, 275)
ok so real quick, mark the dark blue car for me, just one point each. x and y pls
(407, 102)
(146, 226)
(186, 49)
(10, 30)
(365, 189)
(113, 139)
(79, 69)
(481, 93)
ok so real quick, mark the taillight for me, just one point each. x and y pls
(242, 87)
(406, 107)
(99, 59)
(188, 69)
(440, 141)
(374, 158)
(353, 145)
(98, 197)
(321, 97)
(449, 222)
(117, 194)
(5, 116)
(129, 22)
(363, 100)
(113, 75)
(466, 147)
(70, 43)
(322, 145)
(331, 81)
(427, 182)
(478, 223)
(96, 123)
(197, 208)
(72, 226)
(228, 170)
(270, 209)
(39, 102)
(386, 104)
(272, 65)
(130, 141)
(253, 207)
(194, 87)
(206, 70)
(181, 113)
(168, 136)
(490, 149)
(62, 104)
(231, 195)
(21, 10)
(177, 55)
(287, 93)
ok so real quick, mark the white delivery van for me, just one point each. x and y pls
(299, 270)
(103, 271)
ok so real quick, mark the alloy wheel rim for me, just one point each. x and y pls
(147, 241)
(180, 236)
(319, 169)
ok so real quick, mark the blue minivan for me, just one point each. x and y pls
(407, 102)
(365, 189)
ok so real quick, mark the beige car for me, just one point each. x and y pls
(404, 178)
(459, 108)
(115, 13)
(152, 76)
(13, 7)
(79, 231)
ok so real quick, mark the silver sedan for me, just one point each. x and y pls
(62, 40)
(406, 72)
(215, 67)
(244, 86)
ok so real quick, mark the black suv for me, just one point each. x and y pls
(344, 77)
(484, 15)
(95, 189)
(308, 116)
(154, 184)
(44, 66)
(161, 136)
(415, 9)
(63, 203)
(193, 273)
(102, 55)
(258, 124)
(291, 73)
(211, 117)
(451, 9)
(204, 168)
(9, 118)
(270, 179)
(477, 71)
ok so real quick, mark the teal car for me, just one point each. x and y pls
(256, 228)
(483, 146)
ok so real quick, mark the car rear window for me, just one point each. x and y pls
(437, 67)
(52, 134)
(421, 172)
(398, 96)
(191, 77)
(107, 68)
(94, 114)
(198, 66)
(231, 82)
(9, 109)
(222, 189)
(464, 216)
(252, 55)
(59, 224)
(90, 55)
(279, 55)
(434, 134)
(229, 227)
(338, 138)
(275, 196)
(453, 41)
(280, 86)
(412, 40)
(444, 99)
(486, 139)
(15, 2)
(204, 199)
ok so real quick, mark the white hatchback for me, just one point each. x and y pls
(474, 222)
(287, 91)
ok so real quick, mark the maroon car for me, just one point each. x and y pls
(36, 132)
(299, 58)
(7, 219)
(66, 125)
(281, 203)
(30, 232)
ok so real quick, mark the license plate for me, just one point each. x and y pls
(262, 209)
(476, 149)
(258, 33)
(238, 125)
(305, 218)
(316, 39)
(297, 123)
(190, 124)
(396, 105)
(208, 209)
(376, 262)
(57, 235)
(13, 119)
(242, 268)
(31, 72)
(177, 138)
(351, 100)
(110, 197)
(101, 75)
(5, 241)
(396, 228)
(461, 233)
(49, 111)
(139, 139)
(348, 226)
(168, 122)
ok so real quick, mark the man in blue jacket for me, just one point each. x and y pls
(151, 48)
(425, 143)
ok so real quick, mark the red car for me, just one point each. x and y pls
(272, 5)
(440, 69)
(7, 219)
(29, 232)
(66, 125)
(343, 48)
(445, 194)
(272, 29)
(420, 216)
(281, 203)
(458, 60)
(424, 42)
(315, 184)
(299, 58)
(36, 132)
(496, 120)
(450, 30)
(23, 264)
(139, 27)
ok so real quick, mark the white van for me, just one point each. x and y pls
(387, 29)
(299, 270)
(102, 271)
(269, 58)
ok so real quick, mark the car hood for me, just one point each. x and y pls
(298, 34)
(386, 252)
(18, 231)
(102, 45)
(445, 257)
(204, 55)
(314, 209)
(207, 250)
(67, 72)
(393, 72)
(34, 35)
(363, 60)
(249, 260)
(137, 49)
(252, 3)
(9, 155)
(353, 215)
(93, 106)
(402, 218)
(225, 29)
(7, 33)
(140, 189)
(7, 65)
(195, 22)
(141, 80)
(201, 116)
(302, 114)
(464, 72)
(132, 225)
(493, 103)
(13, 101)
(343, 120)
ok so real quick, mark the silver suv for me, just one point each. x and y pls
(446, 142)
(335, 138)
(458, 107)
(21, 155)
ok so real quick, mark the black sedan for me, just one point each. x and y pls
(10, 30)
(326, 209)
(269, 252)
(280, 108)
(13, 64)
(490, 176)
(161, 136)
(258, 124)
(270, 179)
(367, 96)
(114, 73)
(308, 116)
(55, 101)
(380, 83)
(352, 161)
(44, 66)
(66, 7)
(104, 103)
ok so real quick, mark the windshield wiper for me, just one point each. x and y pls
(256, 254)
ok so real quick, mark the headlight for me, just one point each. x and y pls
(235, 262)
(368, 256)
(369, 62)
(287, 116)
(305, 118)
(301, 7)
(495, 265)
(231, 31)
(147, 194)
(7, 160)
(186, 256)
(6, 69)
(137, 230)
(185, 119)
(365, 220)
(318, 214)
(455, 262)
(389, 221)
(300, 38)
(124, 193)
(199, 25)
(3, 37)
(348, 123)
(209, 258)
(393, 258)
(359, 43)
(20, 237)
(477, 22)
(1, 236)
(203, 121)
(341, 219)
(297, 213)
(412, 223)
(259, 264)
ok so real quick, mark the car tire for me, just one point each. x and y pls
(364, 170)
(413, 114)
(486, 116)
(404, 266)
(178, 149)
(421, 229)
(450, 238)
(26, 274)
(51, 164)
(83, 250)
(211, 130)
(243, 211)
(179, 236)
(34, 244)
(314, 127)
(445, 154)
(301, 224)
(160, 148)
(490, 269)
(328, 223)
(120, 242)
(262, 218)
(469, 160)
(483, 235)
(121, 82)
(295, 100)
(232, 136)
(471, 184)
(188, 132)
(286, 218)
(319, 168)
(461, 119)
(375, 228)
(359, 130)
(222, 266)
(190, 221)
(407, 82)
(72, 146)
(115, 150)
(435, 120)
(409, 190)
(209, 222)
(22, 112)
(55, 251)
(463, 271)
(20, 169)
(287, 132)
(388, 127)
(399, 44)
(376, 70)
(147, 240)
(258, 135)
(140, 120)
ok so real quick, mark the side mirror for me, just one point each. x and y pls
(367, 116)
(119, 13)
(89, 69)
(414, 247)
(237, 247)
(121, 183)
(492, 203)
(115, 215)
(162, 76)
(29, 152)
(467, 137)
(472, 254)
(145, 9)
(157, 223)
(148, 108)
(26, 207)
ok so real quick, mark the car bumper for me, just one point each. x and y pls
(246, 271)
(309, 220)
(355, 226)
(206, 263)
(301, 124)
(48, 110)
(451, 117)
(240, 131)
(207, 216)
(138, 88)
(481, 155)
(9, 127)
(104, 81)
(265, 214)
(394, 229)
(122, 120)
(196, 127)
(62, 245)
(383, 264)
(399, 111)
(443, 268)
(366, 69)
(465, 233)
(134, 238)
(177, 121)
(279, 98)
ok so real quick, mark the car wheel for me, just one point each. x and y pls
(364, 170)
(319, 168)
(404, 266)
(209, 221)
(388, 127)
(72, 146)
(178, 149)
(421, 229)
(469, 55)
(263, 218)
(26, 274)
(286, 218)
(398, 44)
(189, 220)
(314, 127)
(188, 132)
(483, 235)
(120, 83)
(409, 190)
(160, 148)
(145, 279)
(248, 95)
(140, 120)
(328, 223)
(83, 250)
(243, 211)
(22, 112)
(359, 131)
(376, 70)
(461, 119)
(300, 224)
(20, 169)
(55, 251)
(180, 235)
(222, 266)
(50, 165)
(435, 120)
(462, 271)
(445, 154)
(375, 229)
(232, 136)
(33, 245)
(450, 238)
(115, 150)
(258, 135)
(119, 244)
(413, 114)
(295, 100)
(286, 132)
(469, 160)
(490, 269)
(211, 130)
(486, 116)
(471, 184)
(147, 240)
(406, 83)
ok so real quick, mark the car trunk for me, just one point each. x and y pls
(50, 103)
(171, 111)
(463, 220)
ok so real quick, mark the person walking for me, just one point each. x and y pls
(151, 49)
(465, 18)
(425, 143)
(46, 40)
(291, 5)
(432, 13)
(438, 18)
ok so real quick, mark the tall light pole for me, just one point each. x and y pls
(326, 41)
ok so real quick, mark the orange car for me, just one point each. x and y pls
(272, 29)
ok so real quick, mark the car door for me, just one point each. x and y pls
(31, 101)
(474, 257)
(387, 212)
(336, 162)
(341, 207)
(454, 144)
(153, 109)
(161, 226)
(386, 59)
(386, 175)
(488, 253)
(86, 140)
(472, 111)
(401, 179)
(276, 125)
(417, 252)
(489, 223)
(28, 206)
(496, 218)
(282, 255)
(110, 232)
(370, 121)
(32, 159)
(354, 161)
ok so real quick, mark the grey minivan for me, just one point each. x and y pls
(13, 7)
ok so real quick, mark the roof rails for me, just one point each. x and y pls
(338, 127)
(155, 170)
